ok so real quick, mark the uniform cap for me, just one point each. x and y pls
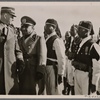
(9, 10)
(87, 25)
(51, 22)
(27, 20)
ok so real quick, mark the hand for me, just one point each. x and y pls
(71, 56)
(21, 69)
(77, 40)
(98, 93)
(41, 69)
(60, 79)
(20, 66)
(39, 76)
(93, 88)
(74, 63)
(2, 38)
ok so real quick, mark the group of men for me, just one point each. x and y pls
(83, 54)
(32, 61)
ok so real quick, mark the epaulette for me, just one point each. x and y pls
(12, 26)
(34, 37)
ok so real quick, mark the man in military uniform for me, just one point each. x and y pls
(71, 45)
(84, 81)
(9, 53)
(55, 58)
(34, 52)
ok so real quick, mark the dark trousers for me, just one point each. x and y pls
(67, 88)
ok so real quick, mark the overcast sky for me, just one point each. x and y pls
(66, 13)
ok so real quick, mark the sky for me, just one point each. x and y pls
(66, 13)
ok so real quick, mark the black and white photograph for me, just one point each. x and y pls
(50, 49)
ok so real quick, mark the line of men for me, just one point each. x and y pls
(32, 60)
(83, 64)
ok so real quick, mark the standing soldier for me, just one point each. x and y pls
(34, 53)
(65, 91)
(84, 81)
(55, 58)
(71, 45)
(9, 53)
(67, 35)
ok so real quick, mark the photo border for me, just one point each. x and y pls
(36, 98)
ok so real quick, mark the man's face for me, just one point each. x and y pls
(9, 18)
(73, 31)
(48, 28)
(27, 29)
(82, 32)
(67, 35)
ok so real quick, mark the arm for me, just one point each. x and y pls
(19, 57)
(60, 52)
(18, 51)
(42, 53)
(95, 52)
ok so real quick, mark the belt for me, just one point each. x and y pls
(82, 69)
(80, 66)
(49, 62)
(29, 56)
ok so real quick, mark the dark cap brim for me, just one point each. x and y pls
(13, 15)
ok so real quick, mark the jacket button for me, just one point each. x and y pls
(29, 47)
(27, 59)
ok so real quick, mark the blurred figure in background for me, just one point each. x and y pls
(65, 81)
(71, 45)
(67, 35)
(98, 37)
(96, 66)
(18, 32)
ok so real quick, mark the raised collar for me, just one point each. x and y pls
(54, 33)
(84, 41)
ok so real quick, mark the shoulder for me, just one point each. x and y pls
(20, 40)
(1, 26)
(12, 26)
(96, 47)
(41, 39)
(58, 41)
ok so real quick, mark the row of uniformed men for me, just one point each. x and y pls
(83, 60)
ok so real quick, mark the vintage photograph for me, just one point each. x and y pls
(50, 49)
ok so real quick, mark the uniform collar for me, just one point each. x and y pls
(34, 33)
(84, 41)
(54, 33)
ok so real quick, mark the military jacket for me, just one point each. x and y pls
(86, 53)
(75, 45)
(34, 50)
